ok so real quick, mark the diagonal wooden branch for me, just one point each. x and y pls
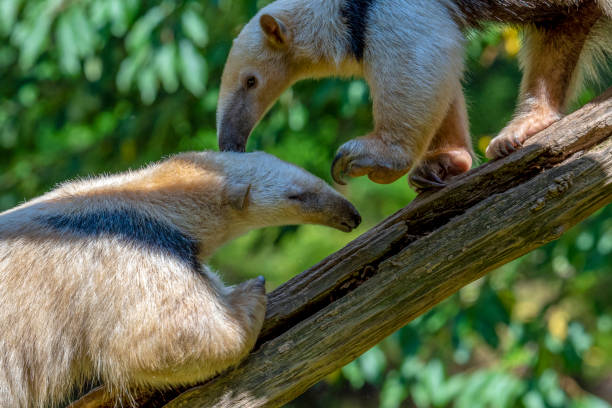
(332, 313)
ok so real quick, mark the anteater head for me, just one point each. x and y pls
(256, 190)
(258, 69)
(263, 190)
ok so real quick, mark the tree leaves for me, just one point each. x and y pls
(163, 43)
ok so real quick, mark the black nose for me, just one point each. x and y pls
(356, 219)
(226, 146)
(234, 130)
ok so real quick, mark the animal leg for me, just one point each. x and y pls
(412, 84)
(401, 136)
(550, 61)
(200, 333)
(450, 152)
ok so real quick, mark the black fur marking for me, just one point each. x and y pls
(130, 226)
(355, 14)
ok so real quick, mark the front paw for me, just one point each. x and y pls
(438, 167)
(249, 299)
(512, 137)
(382, 163)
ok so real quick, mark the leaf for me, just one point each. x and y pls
(353, 374)
(84, 36)
(148, 85)
(129, 67)
(144, 26)
(411, 367)
(298, 116)
(165, 64)
(67, 49)
(579, 338)
(533, 399)
(118, 16)
(99, 13)
(8, 15)
(373, 364)
(433, 378)
(195, 27)
(32, 35)
(549, 386)
(502, 390)
(193, 68)
(393, 391)
(420, 395)
(450, 390)
(469, 397)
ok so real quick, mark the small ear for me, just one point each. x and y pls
(274, 29)
(237, 195)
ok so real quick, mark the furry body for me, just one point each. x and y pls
(102, 280)
(411, 55)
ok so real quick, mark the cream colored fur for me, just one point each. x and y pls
(79, 309)
(406, 40)
(413, 63)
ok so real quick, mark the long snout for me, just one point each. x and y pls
(234, 131)
(234, 126)
(342, 215)
(231, 140)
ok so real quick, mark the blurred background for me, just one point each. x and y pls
(98, 86)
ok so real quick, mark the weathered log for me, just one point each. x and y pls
(335, 311)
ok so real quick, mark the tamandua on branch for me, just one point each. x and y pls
(411, 54)
(102, 280)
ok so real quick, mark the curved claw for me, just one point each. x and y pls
(422, 183)
(440, 167)
(337, 169)
(503, 147)
(510, 147)
(436, 180)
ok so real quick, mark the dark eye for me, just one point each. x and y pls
(251, 82)
(301, 197)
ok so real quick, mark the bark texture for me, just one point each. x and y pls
(330, 314)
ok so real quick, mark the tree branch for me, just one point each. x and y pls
(330, 314)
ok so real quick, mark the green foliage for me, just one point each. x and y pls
(94, 86)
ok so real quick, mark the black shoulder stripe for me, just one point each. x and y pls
(355, 14)
(129, 226)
